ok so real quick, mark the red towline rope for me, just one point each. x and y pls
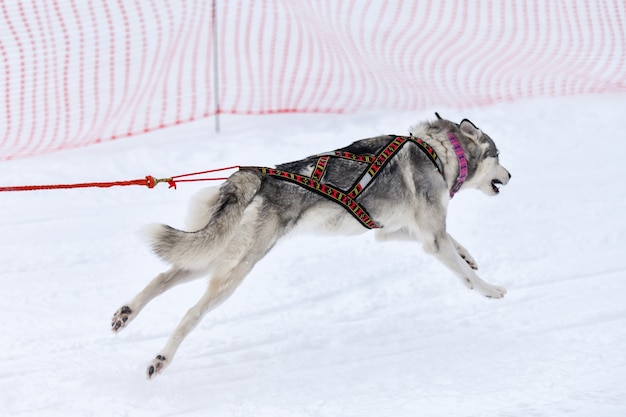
(149, 181)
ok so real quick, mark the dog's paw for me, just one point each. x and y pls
(463, 253)
(470, 261)
(121, 318)
(156, 367)
(491, 291)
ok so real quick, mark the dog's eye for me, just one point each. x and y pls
(492, 153)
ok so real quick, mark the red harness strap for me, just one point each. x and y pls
(326, 190)
(347, 199)
(320, 167)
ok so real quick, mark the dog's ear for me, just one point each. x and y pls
(438, 117)
(470, 130)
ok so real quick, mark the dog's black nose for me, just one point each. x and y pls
(509, 174)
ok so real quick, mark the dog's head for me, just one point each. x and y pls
(487, 174)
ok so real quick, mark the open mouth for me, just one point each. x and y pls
(495, 185)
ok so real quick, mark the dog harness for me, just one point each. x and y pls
(347, 198)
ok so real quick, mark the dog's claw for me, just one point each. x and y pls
(158, 364)
(470, 261)
(120, 318)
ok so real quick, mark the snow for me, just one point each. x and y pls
(327, 326)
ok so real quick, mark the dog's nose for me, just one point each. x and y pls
(509, 174)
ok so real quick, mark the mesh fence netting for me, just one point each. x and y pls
(76, 72)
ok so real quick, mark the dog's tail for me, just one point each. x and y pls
(195, 250)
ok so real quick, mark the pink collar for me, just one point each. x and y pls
(460, 156)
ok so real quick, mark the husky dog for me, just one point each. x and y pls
(401, 190)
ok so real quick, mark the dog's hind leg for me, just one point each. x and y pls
(220, 288)
(157, 286)
(250, 244)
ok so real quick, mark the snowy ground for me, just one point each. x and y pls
(325, 326)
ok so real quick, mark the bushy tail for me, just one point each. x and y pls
(195, 250)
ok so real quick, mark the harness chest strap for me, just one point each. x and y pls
(348, 199)
(385, 156)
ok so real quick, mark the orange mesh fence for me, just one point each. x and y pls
(76, 72)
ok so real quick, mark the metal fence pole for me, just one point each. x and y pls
(216, 78)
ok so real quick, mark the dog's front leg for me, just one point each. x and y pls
(442, 246)
(464, 253)
(404, 235)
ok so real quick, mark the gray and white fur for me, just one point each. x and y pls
(232, 227)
